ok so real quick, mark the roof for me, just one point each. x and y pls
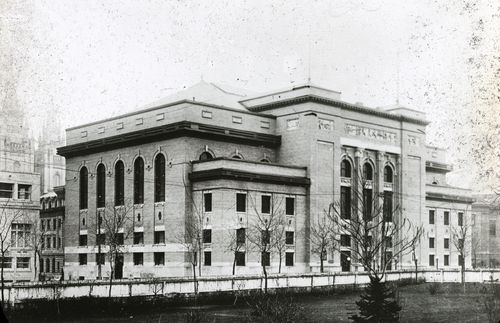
(206, 92)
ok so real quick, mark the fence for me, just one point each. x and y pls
(19, 292)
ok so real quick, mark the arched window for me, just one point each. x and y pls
(206, 156)
(84, 188)
(345, 168)
(139, 181)
(236, 157)
(119, 183)
(264, 160)
(160, 178)
(101, 186)
(367, 172)
(388, 174)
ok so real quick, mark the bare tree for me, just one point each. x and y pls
(37, 241)
(115, 225)
(8, 216)
(373, 229)
(461, 237)
(322, 237)
(235, 243)
(263, 234)
(192, 240)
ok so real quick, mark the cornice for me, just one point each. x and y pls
(233, 174)
(173, 130)
(335, 103)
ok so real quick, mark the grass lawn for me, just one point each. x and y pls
(449, 304)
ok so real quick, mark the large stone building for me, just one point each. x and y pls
(19, 197)
(225, 158)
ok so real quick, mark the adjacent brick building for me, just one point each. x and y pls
(223, 158)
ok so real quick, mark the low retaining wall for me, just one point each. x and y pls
(19, 292)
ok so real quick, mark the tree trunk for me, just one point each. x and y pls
(234, 264)
(279, 269)
(1, 278)
(265, 279)
(195, 283)
(321, 263)
(111, 274)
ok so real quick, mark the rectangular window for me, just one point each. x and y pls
(289, 235)
(138, 259)
(288, 258)
(431, 260)
(120, 239)
(6, 262)
(446, 218)
(100, 258)
(20, 234)
(238, 120)
(241, 202)
(266, 237)
(388, 260)
(431, 243)
(6, 190)
(59, 243)
(82, 259)
(265, 124)
(207, 201)
(138, 121)
(100, 239)
(83, 134)
(345, 240)
(266, 204)
(207, 236)
(388, 206)
(493, 228)
(206, 114)
(265, 258)
(160, 116)
(388, 242)
(23, 262)
(345, 260)
(23, 192)
(207, 258)
(431, 216)
(446, 243)
(240, 258)
(290, 206)
(345, 202)
(119, 125)
(460, 260)
(460, 218)
(460, 244)
(138, 237)
(83, 240)
(446, 260)
(100, 130)
(159, 237)
(159, 258)
(240, 236)
(49, 243)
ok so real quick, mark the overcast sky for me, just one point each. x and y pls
(88, 60)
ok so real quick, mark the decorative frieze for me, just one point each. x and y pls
(345, 181)
(413, 140)
(370, 133)
(325, 124)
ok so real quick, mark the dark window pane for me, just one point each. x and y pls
(100, 258)
(289, 235)
(367, 172)
(367, 204)
(290, 206)
(101, 186)
(159, 178)
(139, 181)
(241, 202)
(207, 258)
(138, 237)
(207, 199)
(240, 258)
(388, 174)
(207, 236)
(240, 236)
(345, 168)
(266, 204)
(82, 259)
(345, 202)
(266, 258)
(289, 259)
(83, 240)
(159, 237)
(460, 218)
(138, 258)
(431, 216)
(446, 218)
(388, 206)
(119, 183)
(159, 258)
